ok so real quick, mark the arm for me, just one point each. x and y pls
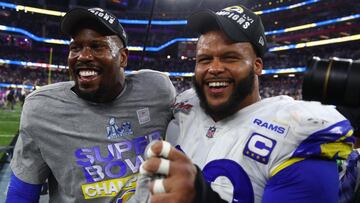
(311, 180)
(22, 192)
(29, 169)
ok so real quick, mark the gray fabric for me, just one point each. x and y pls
(76, 143)
(142, 193)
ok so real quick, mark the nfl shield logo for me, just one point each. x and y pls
(210, 133)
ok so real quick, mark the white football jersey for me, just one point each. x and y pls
(240, 153)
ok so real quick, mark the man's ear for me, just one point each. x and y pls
(258, 66)
(124, 55)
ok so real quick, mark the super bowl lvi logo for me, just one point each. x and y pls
(114, 131)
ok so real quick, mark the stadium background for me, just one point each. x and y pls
(33, 51)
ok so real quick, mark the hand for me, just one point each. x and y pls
(178, 185)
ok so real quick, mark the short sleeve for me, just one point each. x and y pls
(311, 180)
(27, 163)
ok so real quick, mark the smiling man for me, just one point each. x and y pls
(223, 87)
(87, 136)
(236, 146)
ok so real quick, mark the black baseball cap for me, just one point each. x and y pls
(237, 22)
(95, 16)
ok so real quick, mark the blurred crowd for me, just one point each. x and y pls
(179, 56)
(290, 85)
(13, 47)
(10, 96)
(10, 74)
(30, 76)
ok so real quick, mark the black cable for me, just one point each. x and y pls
(147, 34)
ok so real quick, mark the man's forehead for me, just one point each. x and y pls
(211, 46)
(218, 37)
(214, 36)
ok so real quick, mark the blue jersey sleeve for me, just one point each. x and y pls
(308, 181)
(21, 192)
(333, 142)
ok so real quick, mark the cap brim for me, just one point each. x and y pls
(72, 19)
(201, 21)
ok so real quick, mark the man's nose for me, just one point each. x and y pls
(216, 67)
(85, 54)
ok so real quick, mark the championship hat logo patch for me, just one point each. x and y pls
(238, 9)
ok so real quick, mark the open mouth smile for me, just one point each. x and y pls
(87, 75)
(218, 84)
(217, 87)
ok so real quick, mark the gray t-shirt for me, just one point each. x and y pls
(91, 152)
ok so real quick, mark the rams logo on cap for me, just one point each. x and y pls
(95, 9)
(238, 9)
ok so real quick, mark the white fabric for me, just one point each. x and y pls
(274, 127)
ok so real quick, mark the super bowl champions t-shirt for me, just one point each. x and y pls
(91, 152)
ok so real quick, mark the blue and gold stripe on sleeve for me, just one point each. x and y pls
(334, 142)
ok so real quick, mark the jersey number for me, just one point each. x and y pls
(243, 191)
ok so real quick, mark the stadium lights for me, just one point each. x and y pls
(7, 85)
(183, 74)
(153, 22)
(40, 11)
(286, 7)
(312, 25)
(140, 48)
(316, 43)
(143, 22)
(32, 36)
(155, 49)
(172, 74)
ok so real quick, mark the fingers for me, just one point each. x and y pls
(163, 149)
(163, 185)
(164, 167)
(159, 166)
(158, 186)
(164, 190)
(158, 156)
(161, 198)
(158, 148)
(172, 174)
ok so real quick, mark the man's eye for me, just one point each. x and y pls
(98, 47)
(231, 58)
(203, 60)
(75, 48)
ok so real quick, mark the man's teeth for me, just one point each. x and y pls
(218, 84)
(85, 73)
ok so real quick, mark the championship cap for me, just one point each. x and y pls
(237, 22)
(93, 16)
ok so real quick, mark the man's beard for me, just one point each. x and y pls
(244, 88)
